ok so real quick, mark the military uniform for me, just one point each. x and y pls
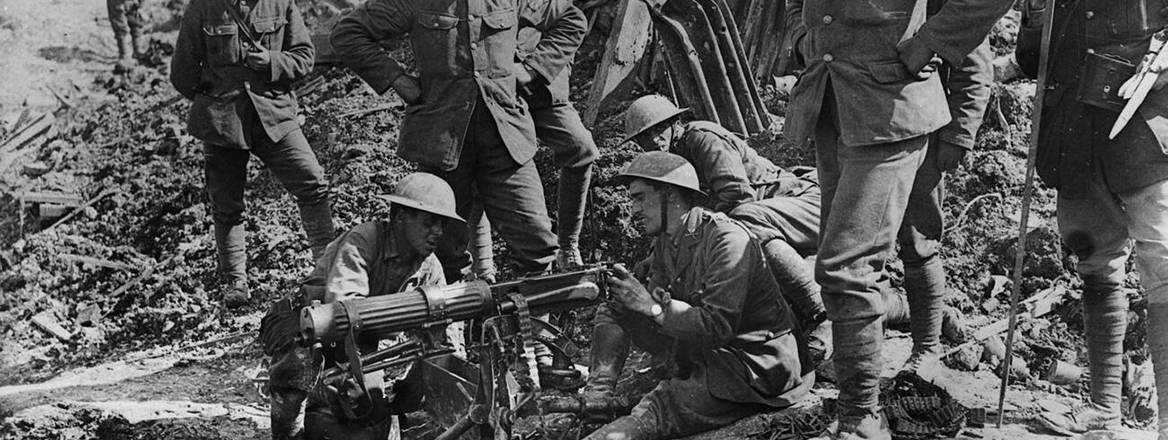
(870, 118)
(471, 127)
(238, 111)
(1111, 193)
(366, 261)
(733, 352)
(126, 19)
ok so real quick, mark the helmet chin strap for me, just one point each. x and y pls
(664, 210)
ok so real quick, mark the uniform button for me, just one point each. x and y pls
(827, 58)
(1090, 14)
(474, 46)
(827, 19)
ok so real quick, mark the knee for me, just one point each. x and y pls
(311, 191)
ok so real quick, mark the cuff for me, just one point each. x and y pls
(950, 54)
(956, 137)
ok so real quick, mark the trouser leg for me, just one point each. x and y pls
(292, 374)
(865, 193)
(796, 280)
(293, 163)
(920, 243)
(1093, 225)
(676, 408)
(225, 173)
(558, 125)
(1147, 211)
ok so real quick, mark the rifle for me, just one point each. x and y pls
(504, 311)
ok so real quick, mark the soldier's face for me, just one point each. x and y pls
(656, 138)
(646, 207)
(422, 230)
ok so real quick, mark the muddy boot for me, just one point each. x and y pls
(317, 220)
(1104, 326)
(858, 363)
(797, 284)
(1158, 348)
(925, 285)
(610, 348)
(571, 196)
(230, 241)
(125, 54)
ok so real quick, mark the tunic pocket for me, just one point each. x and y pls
(890, 72)
(269, 32)
(222, 42)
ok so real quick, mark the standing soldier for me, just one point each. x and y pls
(465, 121)
(1111, 192)
(237, 61)
(869, 98)
(710, 307)
(967, 87)
(558, 126)
(125, 17)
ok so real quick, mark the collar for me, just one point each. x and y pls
(690, 222)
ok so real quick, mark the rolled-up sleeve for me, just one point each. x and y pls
(355, 39)
(349, 275)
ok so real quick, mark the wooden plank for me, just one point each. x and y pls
(46, 322)
(626, 46)
(56, 197)
(29, 132)
(81, 259)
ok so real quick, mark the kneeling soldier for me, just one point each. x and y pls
(374, 258)
(710, 306)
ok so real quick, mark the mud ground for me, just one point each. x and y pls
(150, 354)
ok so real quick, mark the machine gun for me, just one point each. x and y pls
(503, 313)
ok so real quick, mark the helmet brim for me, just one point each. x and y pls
(654, 123)
(410, 203)
(629, 178)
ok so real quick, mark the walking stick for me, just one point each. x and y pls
(1032, 153)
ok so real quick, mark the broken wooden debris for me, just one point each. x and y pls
(1034, 307)
(46, 322)
(97, 262)
(84, 206)
(28, 133)
(365, 111)
(623, 50)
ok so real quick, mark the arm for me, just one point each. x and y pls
(713, 321)
(563, 27)
(798, 29)
(295, 61)
(957, 29)
(1030, 37)
(969, 93)
(355, 38)
(348, 277)
(720, 168)
(186, 68)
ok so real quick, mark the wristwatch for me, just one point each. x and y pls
(656, 310)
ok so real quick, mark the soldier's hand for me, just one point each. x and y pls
(949, 155)
(629, 292)
(523, 76)
(408, 88)
(1159, 66)
(259, 59)
(920, 61)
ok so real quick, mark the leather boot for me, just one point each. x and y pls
(231, 244)
(858, 363)
(1104, 326)
(925, 284)
(610, 348)
(317, 220)
(1158, 348)
(571, 197)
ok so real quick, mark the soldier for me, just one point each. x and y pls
(465, 121)
(870, 99)
(558, 126)
(1111, 192)
(374, 258)
(967, 86)
(126, 19)
(243, 105)
(710, 306)
(780, 207)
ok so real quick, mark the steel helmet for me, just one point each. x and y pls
(425, 192)
(663, 167)
(647, 111)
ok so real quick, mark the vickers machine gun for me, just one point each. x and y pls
(504, 316)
